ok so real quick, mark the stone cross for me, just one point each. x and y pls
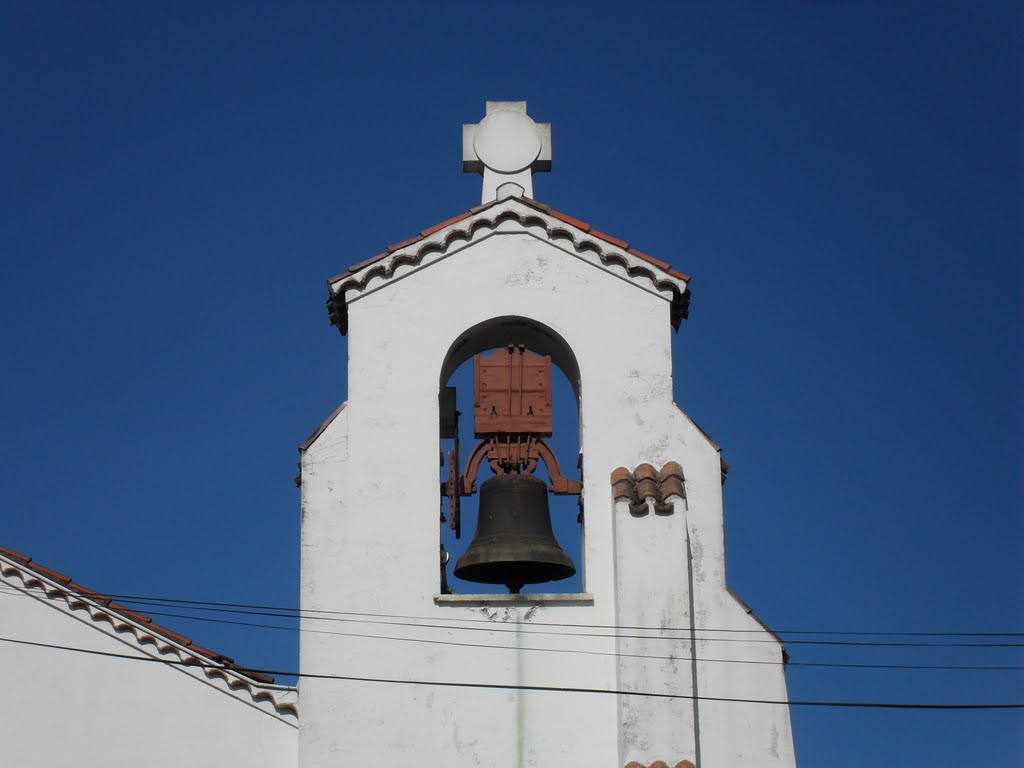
(507, 147)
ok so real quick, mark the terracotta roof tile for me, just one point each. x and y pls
(51, 574)
(447, 223)
(662, 265)
(536, 204)
(336, 304)
(361, 264)
(676, 273)
(259, 677)
(141, 618)
(416, 238)
(15, 555)
(483, 206)
(176, 637)
(399, 246)
(570, 220)
(96, 597)
(609, 239)
(620, 474)
(211, 653)
(651, 260)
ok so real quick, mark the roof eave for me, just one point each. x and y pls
(56, 585)
(359, 274)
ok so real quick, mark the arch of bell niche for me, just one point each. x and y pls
(500, 331)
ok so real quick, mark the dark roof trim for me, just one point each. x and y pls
(721, 461)
(305, 444)
(750, 612)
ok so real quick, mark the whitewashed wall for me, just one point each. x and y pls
(370, 534)
(59, 708)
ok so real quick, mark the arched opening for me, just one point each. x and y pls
(498, 331)
(560, 447)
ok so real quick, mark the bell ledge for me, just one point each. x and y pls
(539, 598)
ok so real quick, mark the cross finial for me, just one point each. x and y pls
(506, 147)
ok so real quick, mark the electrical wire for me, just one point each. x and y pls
(574, 651)
(299, 613)
(416, 622)
(520, 630)
(543, 688)
(617, 654)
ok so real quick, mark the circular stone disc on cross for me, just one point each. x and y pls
(507, 142)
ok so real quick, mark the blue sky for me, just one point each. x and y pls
(842, 180)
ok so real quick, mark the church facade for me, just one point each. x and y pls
(636, 665)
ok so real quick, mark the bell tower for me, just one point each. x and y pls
(641, 663)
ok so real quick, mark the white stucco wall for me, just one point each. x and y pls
(62, 708)
(369, 545)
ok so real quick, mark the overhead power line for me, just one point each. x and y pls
(585, 652)
(575, 651)
(539, 688)
(528, 628)
(299, 613)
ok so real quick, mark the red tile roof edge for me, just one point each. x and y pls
(106, 603)
(609, 239)
(582, 225)
(585, 227)
(446, 223)
(388, 250)
(338, 312)
(537, 205)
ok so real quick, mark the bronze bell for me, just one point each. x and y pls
(514, 544)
